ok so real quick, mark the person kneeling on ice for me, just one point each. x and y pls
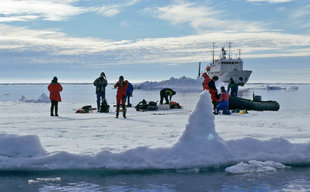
(54, 88)
(164, 93)
(224, 102)
(121, 86)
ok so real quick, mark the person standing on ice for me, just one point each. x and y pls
(129, 92)
(54, 88)
(164, 93)
(233, 87)
(224, 102)
(100, 83)
(205, 81)
(121, 86)
(213, 91)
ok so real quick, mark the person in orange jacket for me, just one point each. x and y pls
(54, 88)
(205, 81)
(213, 91)
(121, 86)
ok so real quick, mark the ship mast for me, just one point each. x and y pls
(213, 52)
(239, 53)
(199, 65)
(229, 46)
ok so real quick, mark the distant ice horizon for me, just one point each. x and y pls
(134, 81)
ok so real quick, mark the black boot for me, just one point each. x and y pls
(117, 110)
(215, 112)
(124, 110)
(98, 107)
(52, 109)
(56, 109)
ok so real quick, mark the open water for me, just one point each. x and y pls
(292, 99)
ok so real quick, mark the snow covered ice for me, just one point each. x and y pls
(254, 166)
(178, 139)
(42, 99)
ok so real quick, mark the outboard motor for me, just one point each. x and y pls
(257, 97)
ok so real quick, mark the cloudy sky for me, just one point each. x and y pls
(151, 39)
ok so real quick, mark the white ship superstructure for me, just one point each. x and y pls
(227, 67)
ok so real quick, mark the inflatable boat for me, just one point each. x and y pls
(256, 104)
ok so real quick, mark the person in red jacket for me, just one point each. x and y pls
(54, 88)
(121, 86)
(213, 91)
(205, 81)
(224, 102)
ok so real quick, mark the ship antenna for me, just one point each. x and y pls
(229, 45)
(213, 52)
(199, 65)
(239, 53)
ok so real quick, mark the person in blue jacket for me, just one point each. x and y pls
(129, 92)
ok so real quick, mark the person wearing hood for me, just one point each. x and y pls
(224, 102)
(213, 91)
(54, 88)
(129, 92)
(100, 83)
(233, 88)
(121, 86)
(205, 81)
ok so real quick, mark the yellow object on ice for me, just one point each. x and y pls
(243, 112)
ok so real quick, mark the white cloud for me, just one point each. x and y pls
(301, 12)
(26, 10)
(252, 37)
(110, 10)
(298, 18)
(90, 52)
(124, 24)
(18, 18)
(131, 2)
(54, 10)
(204, 18)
